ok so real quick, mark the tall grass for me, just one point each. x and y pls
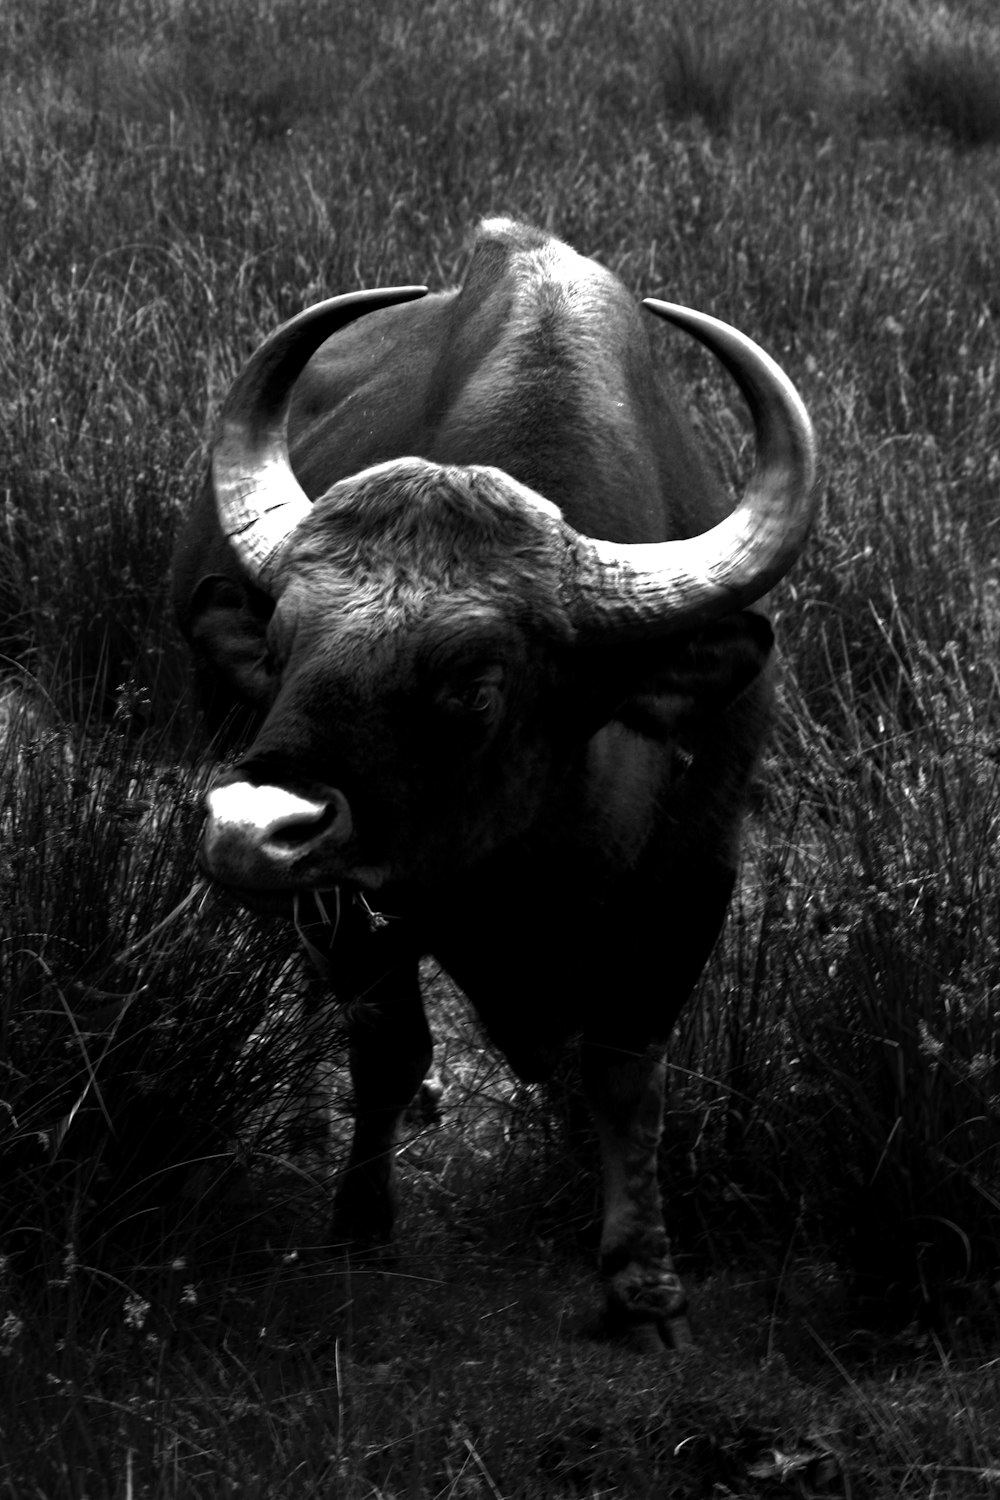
(135, 1043)
(175, 179)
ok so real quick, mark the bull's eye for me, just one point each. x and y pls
(477, 699)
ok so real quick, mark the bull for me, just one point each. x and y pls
(462, 562)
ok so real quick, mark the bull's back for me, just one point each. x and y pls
(541, 365)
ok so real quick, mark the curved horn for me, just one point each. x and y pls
(258, 499)
(668, 586)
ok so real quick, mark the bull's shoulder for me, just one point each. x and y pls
(397, 345)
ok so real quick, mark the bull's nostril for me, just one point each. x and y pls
(331, 818)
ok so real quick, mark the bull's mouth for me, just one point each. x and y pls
(264, 903)
(307, 903)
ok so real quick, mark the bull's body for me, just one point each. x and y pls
(554, 815)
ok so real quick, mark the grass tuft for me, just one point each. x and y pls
(706, 69)
(948, 77)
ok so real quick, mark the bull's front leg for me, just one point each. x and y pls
(390, 1055)
(646, 1303)
(372, 968)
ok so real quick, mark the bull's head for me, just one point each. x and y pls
(442, 643)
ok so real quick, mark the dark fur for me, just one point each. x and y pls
(559, 821)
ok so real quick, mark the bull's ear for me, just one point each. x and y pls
(228, 630)
(659, 687)
(698, 674)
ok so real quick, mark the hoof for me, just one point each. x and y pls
(648, 1312)
(650, 1338)
(661, 1338)
(645, 1332)
(676, 1334)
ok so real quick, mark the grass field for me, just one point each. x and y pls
(176, 177)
